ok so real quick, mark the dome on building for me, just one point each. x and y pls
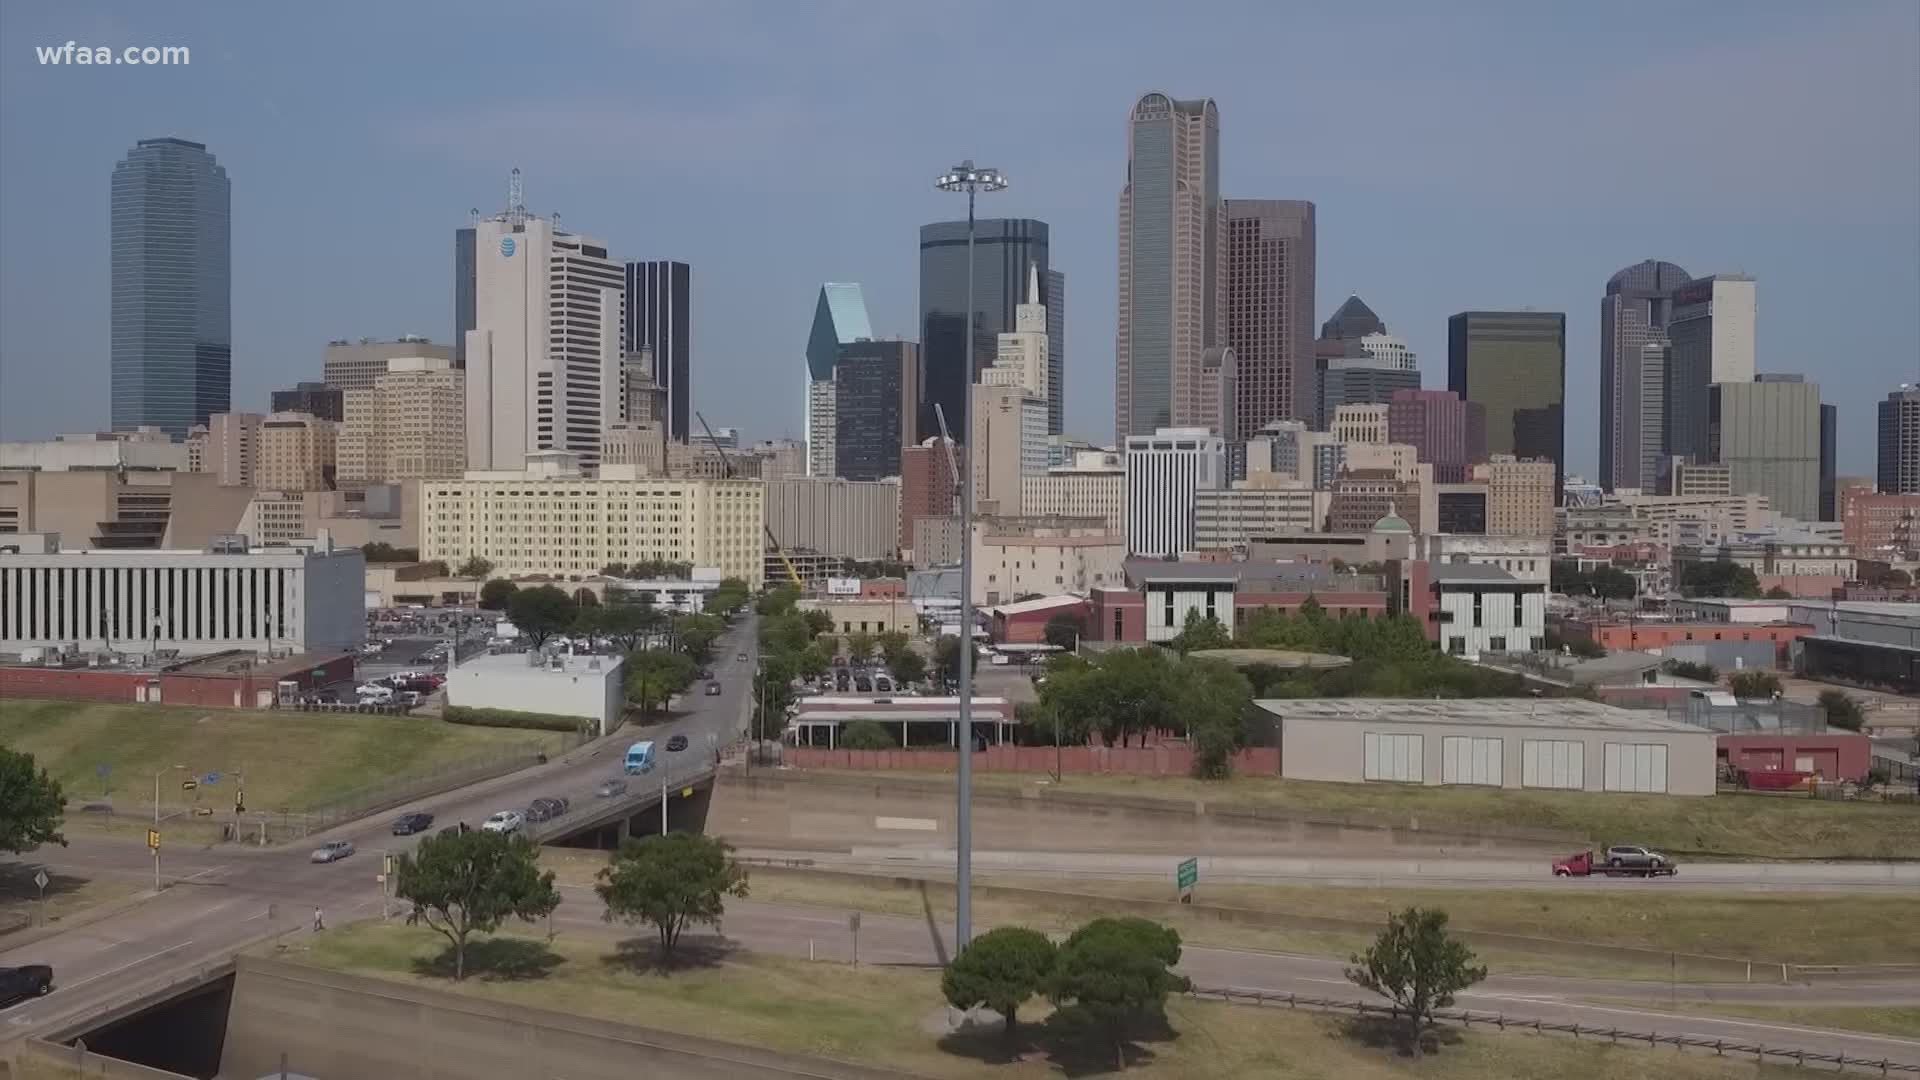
(1392, 523)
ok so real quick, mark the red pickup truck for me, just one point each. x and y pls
(1620, 859)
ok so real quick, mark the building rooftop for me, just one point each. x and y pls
(1043, 603)
(1470, 573)
(532, 664)
(1296, 574)
(1544, 713)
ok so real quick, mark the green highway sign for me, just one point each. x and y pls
(1187, 875)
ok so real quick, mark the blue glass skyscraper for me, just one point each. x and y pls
(172, 330)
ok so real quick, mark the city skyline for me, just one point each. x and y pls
(1419, 275)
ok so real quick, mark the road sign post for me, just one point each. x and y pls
(40, 879)
(1186, 876)
(853, 927)
(153, 844)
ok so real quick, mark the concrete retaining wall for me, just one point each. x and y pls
(81, 1063)
(797, 809)
(343, 1027)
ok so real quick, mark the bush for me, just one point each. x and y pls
(866, 735)
(511, 718)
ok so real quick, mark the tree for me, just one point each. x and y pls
(946, 658)
(1778, 593)
(772, 693)
(475, 567)
(1688, 670)
(655, 675)
(31, 804)
(541, 612)
(818, 622)
(615, 569)
(435, 568)
(859, 645)
(1000, 969)
(907, 666)
(462, 883)
(671, 882)
(378, 552)
(629, 625)
(1756, 685)
(1718, 577)
(1063, 631)
(1414, 964)
(866, 735)
(1213, 704)
(892, 643)
(496, 594)
(697, 633)
(728, 597)
(1201, 632)
(778, 600)
(1841, 710)
(1115, 972)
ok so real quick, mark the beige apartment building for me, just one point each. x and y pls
(410, 425)
(1234, 517)
(550, 519)
(1519, 495)
(358, 365)
(855, 519)
(1709, 480)
(297, 453)
(1088, 488)
(1359, 424)
(1015, 557)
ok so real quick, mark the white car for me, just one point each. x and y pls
(332, 851)
(505, 821)
(373, 690)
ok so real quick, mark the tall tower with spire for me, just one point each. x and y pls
(1022, 357)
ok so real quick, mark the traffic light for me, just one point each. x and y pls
(239, 802)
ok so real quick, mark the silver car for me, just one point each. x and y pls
(504, 821)
(332, 851)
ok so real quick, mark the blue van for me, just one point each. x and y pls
(640, 758)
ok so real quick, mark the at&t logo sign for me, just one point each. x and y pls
(506, 247)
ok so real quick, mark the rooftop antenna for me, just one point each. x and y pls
(516, 204)
(473, 215)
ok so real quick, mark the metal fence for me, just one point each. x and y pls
(1466, 1018)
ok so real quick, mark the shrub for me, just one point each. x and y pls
(511, 718)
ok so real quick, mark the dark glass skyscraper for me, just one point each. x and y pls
(1003, 249)
(1633, 314)
(877, 393)
(1515, 364)
(172, 329)
(658, 295)
(463, 286)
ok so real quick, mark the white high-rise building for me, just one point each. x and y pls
(544, 355)
(1389, 351)
(1163, 472)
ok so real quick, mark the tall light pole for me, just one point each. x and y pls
(972, 180)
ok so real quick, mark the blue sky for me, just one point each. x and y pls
(1461, 155)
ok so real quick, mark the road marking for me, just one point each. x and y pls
(123, 967)
(910, 824)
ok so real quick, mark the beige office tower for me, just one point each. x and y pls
(1008, 444)
(297, 453)
(1172, 268)
(544, 356)
(411, 425)
(232, 448)
(1519, 495)
(354, 365)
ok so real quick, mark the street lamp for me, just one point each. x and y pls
(971, 179)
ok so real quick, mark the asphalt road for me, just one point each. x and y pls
(1468, 872)
(220, 898)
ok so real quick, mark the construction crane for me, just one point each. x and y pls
(773, 542)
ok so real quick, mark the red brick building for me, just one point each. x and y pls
(1153, 605)
(1652, 636)
(1832, 757)
(926, 484)
(220, 681)
(1877, 525)
(1025, 622)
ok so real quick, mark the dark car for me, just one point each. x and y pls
(21, 983)
(539, 810)
(704, 673)
(742, 657)
(678, 742)
(408, 824)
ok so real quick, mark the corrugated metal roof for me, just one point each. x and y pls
(1568, 713)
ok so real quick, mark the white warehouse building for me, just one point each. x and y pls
(590, 688)
(302, 596)
(1555, 743)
